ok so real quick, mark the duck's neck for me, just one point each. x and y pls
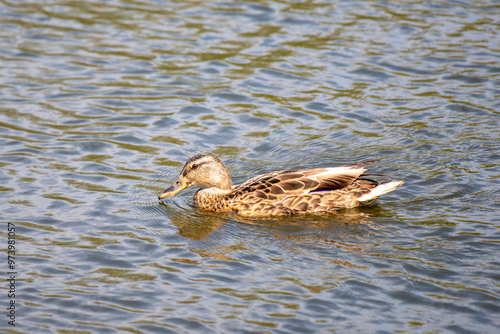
(213, 199)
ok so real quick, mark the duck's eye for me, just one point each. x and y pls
(194, 166)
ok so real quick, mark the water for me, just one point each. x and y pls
(102, 102)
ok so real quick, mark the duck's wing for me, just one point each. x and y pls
(301, 182)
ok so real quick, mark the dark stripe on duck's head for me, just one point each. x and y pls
(194, 166)
(196, 161)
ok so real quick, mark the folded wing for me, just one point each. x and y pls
(301, 182)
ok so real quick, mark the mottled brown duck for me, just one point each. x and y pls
(278, 193)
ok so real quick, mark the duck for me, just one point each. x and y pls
(285, 192)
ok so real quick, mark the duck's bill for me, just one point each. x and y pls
(179, 185)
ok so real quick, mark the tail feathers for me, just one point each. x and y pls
(380, 190)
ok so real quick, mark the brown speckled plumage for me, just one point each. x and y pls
(278, 193)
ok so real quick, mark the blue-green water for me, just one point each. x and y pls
(103, 101)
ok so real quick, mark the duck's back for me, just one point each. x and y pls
(301, 191)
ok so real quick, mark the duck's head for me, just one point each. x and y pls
(204, 169)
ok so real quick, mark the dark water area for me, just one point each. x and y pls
(102, 102)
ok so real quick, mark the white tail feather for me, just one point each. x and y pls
(379, 190)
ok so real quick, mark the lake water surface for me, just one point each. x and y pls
(102, 102)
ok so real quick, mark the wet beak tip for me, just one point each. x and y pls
(163, 195)
(172, 190)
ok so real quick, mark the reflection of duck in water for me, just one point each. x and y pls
(278, 193)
